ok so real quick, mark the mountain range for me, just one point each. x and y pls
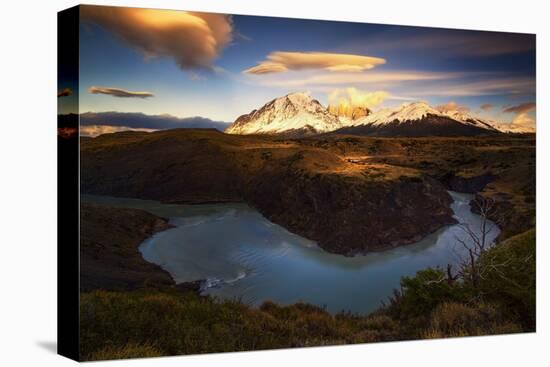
(298, 114)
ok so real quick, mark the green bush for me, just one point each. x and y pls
(509, 277)
(422, 293)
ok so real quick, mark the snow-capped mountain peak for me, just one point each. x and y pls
(406, 112)
(466, 118)
(295, 112)
(417, 111)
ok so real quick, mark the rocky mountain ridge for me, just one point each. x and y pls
(300, 114)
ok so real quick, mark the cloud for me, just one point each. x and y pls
(64, 93)
(452, 106)
(523, 120)
(142, 121)
(378, 78)
(453, 43)
(487, 106)
(521, 108)
(522, 123)
(353, 97)
(485, 86)
(193, 40)
(96, 130)
(280, 61)
(117, 92)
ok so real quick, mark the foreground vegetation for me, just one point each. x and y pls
(155, 322)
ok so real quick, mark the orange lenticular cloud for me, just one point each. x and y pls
(193, 40)
(281, 61)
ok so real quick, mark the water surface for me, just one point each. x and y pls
(243, 255)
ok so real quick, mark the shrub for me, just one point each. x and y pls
(422, 293)
(455, 319)
(125, 352)
(510, 277)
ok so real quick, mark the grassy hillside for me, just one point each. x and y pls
(149, 323)
(318, 193)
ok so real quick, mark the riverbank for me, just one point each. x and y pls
(109, 255)
(257, 259)
(152, 322)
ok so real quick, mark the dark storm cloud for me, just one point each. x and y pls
(142, 121)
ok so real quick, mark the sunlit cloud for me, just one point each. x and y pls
(193, 40)
(487, 106)
(64, 92)
(280, 61)
(452, 106)
(521, 108)
(523, 119)
(357, 98)
(522, 123)
(354, 103)
(118, 92)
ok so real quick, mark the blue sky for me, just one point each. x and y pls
(220, 67)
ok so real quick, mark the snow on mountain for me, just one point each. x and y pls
(416, 111)
(295, 112)
(405, 112)
(471, 120)
(514, 129)
(298, 113)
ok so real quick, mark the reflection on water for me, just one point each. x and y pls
(243, 255)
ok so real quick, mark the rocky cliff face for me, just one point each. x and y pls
(347, 111)
(351, 216)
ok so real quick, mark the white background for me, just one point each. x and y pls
(28, 182)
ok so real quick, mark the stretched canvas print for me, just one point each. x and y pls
(236, 183)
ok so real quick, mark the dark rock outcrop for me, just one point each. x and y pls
(109, 255)
(470, 185)
(350, 216)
